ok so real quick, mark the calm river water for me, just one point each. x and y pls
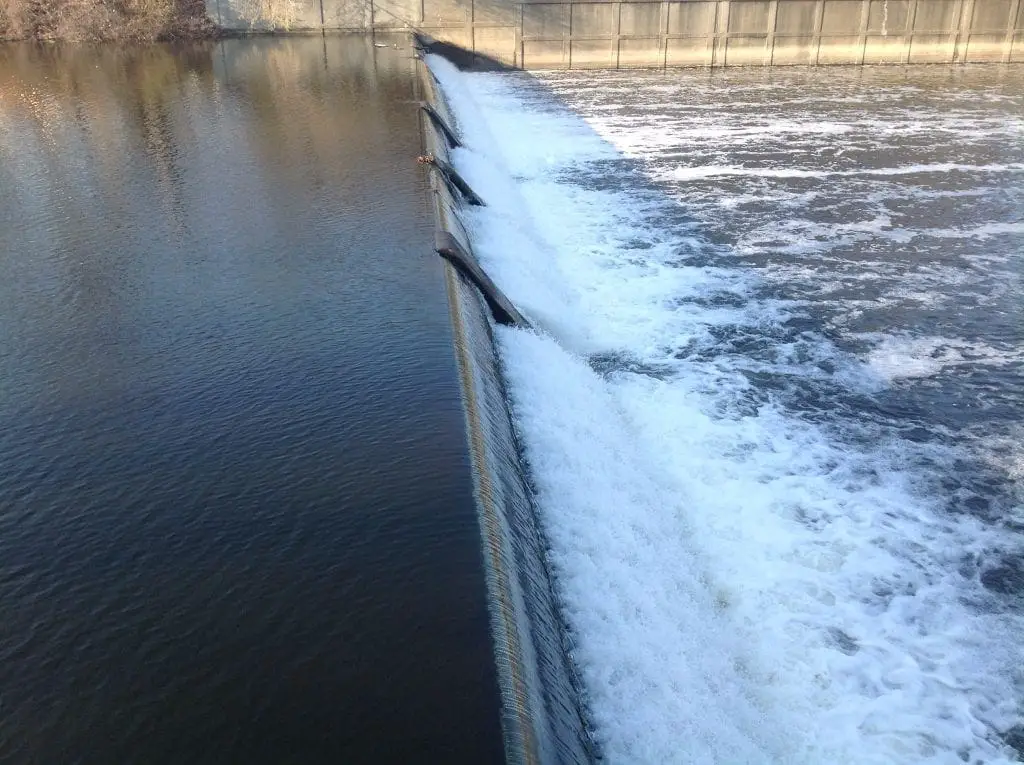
(236, 521)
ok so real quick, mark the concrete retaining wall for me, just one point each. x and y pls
(541, 34)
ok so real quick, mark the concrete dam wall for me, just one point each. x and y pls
(601, 34)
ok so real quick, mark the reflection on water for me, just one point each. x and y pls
(235, 511)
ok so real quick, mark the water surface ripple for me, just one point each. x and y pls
(236, 521)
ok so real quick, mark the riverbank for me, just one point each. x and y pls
(105, 20)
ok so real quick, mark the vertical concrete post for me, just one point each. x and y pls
(909, 39)
(769, 43)
(819, 17)
(663, 22)
(1011, 25)
(517, 39)
(862, 32)
(721, 34)
(963, 36)
(618, 32)
(567, 42)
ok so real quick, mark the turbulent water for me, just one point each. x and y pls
(775, 417)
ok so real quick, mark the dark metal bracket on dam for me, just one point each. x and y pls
(604, 34)
(431, 112)
(500, 306)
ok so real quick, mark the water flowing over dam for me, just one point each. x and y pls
(771, 408)
(543, 720)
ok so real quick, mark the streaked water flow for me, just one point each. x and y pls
(775, 423)
(236, 515)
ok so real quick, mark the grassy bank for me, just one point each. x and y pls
(104, 20)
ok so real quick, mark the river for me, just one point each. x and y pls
(236, 512)
(775, 416)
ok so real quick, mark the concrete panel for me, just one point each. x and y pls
(496, 42)
(593, 19)
(746, 51)
(591, 54)
(460, 36)
(937, 16)
(396, 13)
(306, 14)
(841, 17)
(250, 15)
(495, 13)
(1017, 54)
(888, 49)
(718, 46)
(793, 50)
(888, 17)
(990, 15)
(346, 14)
(748, 18)
(445, 11)
(692, 19)
(640, 53)
(932, 49)
(641, 19)
(551, 21)
(544, 55)
(836, 49)
(986, 48)
(795, 17)
(689, 52)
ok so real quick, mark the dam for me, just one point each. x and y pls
(770, 406)
(601, 34)
(648, 417)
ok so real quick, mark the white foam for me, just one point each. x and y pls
(740, 586)
(902, 356)
(665, 673)
(712, 171)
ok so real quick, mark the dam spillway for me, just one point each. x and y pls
(543, 720)
(771, 413)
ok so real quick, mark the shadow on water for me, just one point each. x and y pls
(236, 513)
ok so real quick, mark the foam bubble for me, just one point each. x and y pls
(903, 356)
